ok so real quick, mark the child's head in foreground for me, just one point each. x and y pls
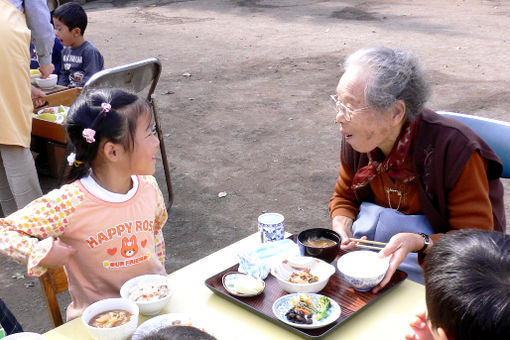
(111, 127)
(179, 333)
(70, 21)
(467, 283)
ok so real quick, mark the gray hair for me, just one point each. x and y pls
(393, 75)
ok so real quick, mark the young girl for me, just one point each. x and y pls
(104, 225)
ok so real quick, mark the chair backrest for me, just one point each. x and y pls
(134, 76)
(495, 133)
(54, 282)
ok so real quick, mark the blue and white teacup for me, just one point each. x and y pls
(271, 227)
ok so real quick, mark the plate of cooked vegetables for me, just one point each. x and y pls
(306, 310)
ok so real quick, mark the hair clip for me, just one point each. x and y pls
(106, 107)
(71, 159)
(89, 134)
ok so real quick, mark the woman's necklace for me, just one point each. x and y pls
(389, 192)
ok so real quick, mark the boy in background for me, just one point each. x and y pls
(467, 288)
(80, 59)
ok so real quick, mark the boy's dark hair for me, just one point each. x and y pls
(72, 15)
(467, 282)
(118, 125)
(179, 333)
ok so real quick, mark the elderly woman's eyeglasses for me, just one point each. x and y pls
(346, 112)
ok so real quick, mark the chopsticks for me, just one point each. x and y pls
(376, 245)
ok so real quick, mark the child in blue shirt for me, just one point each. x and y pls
(80, 59)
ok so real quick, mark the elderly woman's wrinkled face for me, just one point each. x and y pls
(367, 129)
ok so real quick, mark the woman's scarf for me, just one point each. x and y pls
(393, 164)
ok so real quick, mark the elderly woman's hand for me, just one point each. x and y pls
(343, 226)
(398, 247)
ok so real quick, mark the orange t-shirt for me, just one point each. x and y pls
(115, 241)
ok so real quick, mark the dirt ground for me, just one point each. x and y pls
(244, 100)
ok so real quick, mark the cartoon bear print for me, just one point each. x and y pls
(129, 247)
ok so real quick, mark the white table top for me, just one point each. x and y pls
(386, 318)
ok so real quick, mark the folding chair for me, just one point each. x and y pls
(136, 77)
(54, 282)
(494, 132)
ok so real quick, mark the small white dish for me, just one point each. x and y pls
(283, 304)
(166, 320)
(230, 280)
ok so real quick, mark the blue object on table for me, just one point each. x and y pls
(494, 132)
(257, 262)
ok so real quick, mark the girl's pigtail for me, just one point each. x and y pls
(77, 169)
(83, 117)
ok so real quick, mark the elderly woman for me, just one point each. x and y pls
(407, 175)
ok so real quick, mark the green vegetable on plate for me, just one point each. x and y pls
(322, 307)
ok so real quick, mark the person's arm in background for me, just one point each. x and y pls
(43, 36)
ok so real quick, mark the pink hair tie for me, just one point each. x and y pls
(106, 107)
(89, 134)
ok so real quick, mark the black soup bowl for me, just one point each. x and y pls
(327, 254)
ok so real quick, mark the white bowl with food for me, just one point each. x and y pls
(47, 83)
(302, 274)
(150, 292)
(111, 319)
(362, 269)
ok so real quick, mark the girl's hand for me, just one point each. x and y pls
(421, 330)
(399, 246)
(59, 254)
(343, 226)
